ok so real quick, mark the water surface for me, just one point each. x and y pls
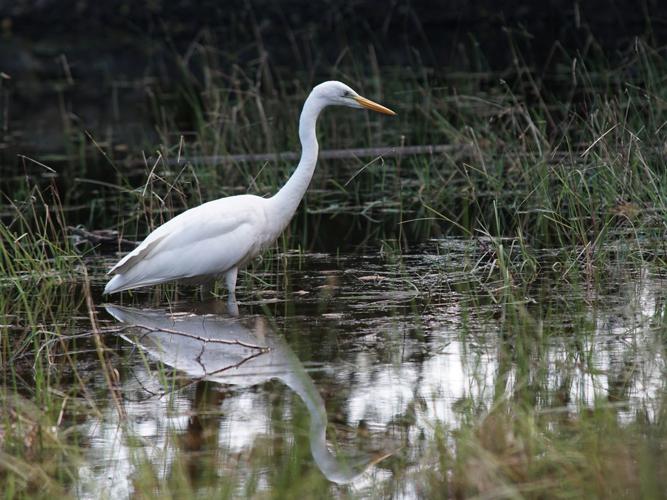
(337, 377)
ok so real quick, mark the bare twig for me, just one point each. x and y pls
(598, 140)
(24, 157)
(200, 338)
(236, 365)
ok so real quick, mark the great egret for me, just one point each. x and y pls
(219, 237)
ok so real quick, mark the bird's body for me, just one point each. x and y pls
(216, 239)
(184, 248)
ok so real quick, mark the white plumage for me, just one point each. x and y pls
(217, 238)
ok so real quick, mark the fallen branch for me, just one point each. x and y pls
(100, 237)
(330, 154)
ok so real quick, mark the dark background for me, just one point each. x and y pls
(117, 35)
(84, 57)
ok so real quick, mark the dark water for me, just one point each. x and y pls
(338, 370)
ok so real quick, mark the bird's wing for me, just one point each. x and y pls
(213, 227)
(136, 255)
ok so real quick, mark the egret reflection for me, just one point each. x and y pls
(240, 351)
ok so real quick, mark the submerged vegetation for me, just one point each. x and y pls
(529, 249)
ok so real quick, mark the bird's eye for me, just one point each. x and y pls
(347, 93)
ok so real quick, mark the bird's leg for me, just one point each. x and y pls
(232, 306)
(230, 282)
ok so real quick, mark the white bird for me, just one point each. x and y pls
(216, 239)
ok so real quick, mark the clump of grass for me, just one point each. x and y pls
(513, 452)
(33, 239)
(44, 387)
(42, 349)
(556, 168)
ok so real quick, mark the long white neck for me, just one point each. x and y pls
(339, 471)
(285, 202)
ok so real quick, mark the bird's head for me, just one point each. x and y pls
(335, 93)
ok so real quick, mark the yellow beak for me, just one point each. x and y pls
(373, 106)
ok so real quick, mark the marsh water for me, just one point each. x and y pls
(333, 373)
